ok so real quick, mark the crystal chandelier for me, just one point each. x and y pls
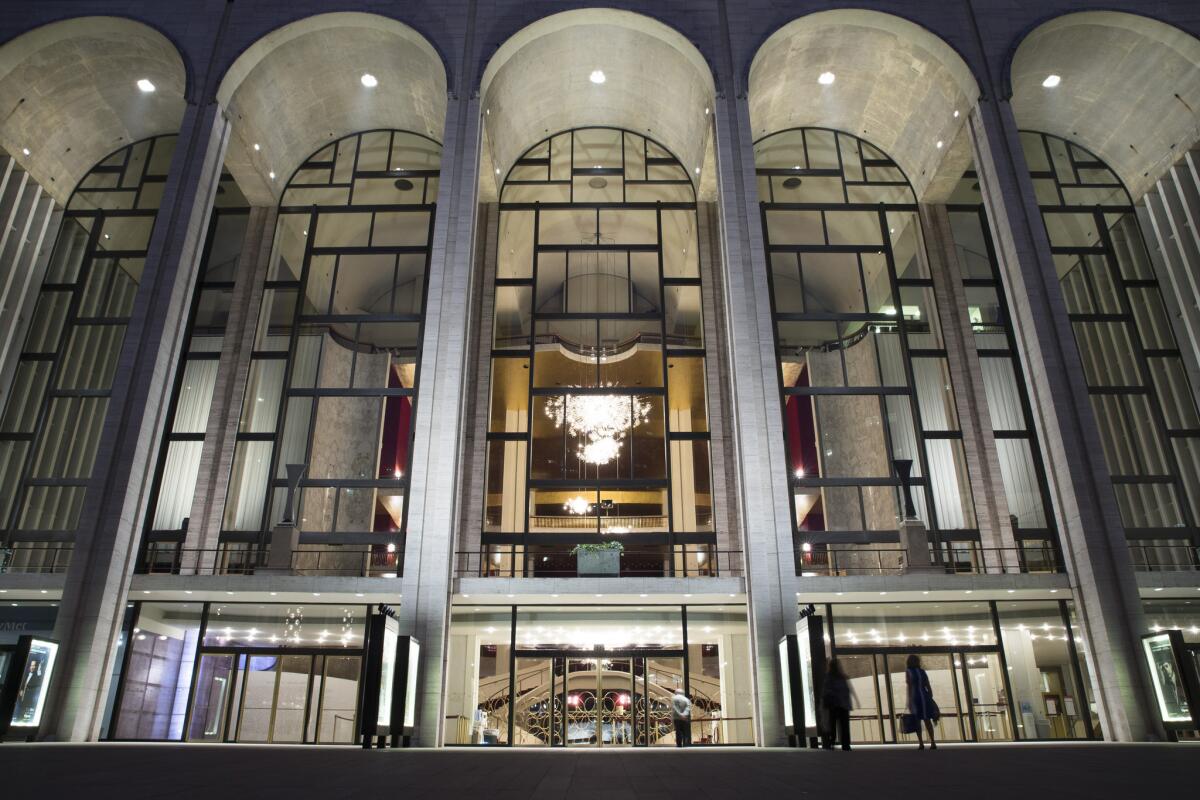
(600, 420)
(577, 505)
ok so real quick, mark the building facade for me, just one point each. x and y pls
(607, 345)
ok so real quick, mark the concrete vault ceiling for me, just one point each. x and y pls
(538, 84)
(299, 88)
(69, 94)
(1130, 90)
(895, 84)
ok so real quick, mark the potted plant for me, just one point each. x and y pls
(598, 559)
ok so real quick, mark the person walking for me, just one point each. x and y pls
(921, 707)
(837, 698)
(681, 715)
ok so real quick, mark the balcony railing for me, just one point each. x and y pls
(371, 561)
(665, 561)
(1164, 557)
(36, 557)
(956, 559)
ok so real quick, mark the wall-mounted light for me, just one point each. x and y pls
(597, 76)
(369, 80)
(1052, 81)
(826, 78)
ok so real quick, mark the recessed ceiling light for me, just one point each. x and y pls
(369, 80)
(697, 170)
(956, 113)
(1051, 81)
(597, 76)
(256, 147)
(25, 150)
(939, 144)
(706, 111)
(145, 85)
(271, 175)
(826, 78)
(497, 170)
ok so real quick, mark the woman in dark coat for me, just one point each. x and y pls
(837, 699)
(920, 700)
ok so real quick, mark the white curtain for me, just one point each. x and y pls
(178, 485)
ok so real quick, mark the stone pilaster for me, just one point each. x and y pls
(1091, 532)
(106, 542)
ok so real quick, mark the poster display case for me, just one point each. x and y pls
(1173, 675)
(29, 668)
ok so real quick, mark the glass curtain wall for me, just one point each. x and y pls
(1017, 448)
(999, 670)
(1141, 397)
(53, 417)
(241, 672)
(598, 425)
(335, 365)
(862, 364)
(179, 456)
(597, 676)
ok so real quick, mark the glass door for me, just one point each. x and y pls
(984, 679)
(947, 692)
(659, 676)
(214, 688)
(582, 686)
(536, 705)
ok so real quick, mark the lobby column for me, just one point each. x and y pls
(754, 410)
(1092, 534)
(106, 542)
(441, 417)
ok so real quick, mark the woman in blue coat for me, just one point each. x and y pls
(920, 700)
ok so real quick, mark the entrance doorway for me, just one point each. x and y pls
(566, 698)
(275, 698)
(969, 686)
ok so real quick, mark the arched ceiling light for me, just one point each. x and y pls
(145, 85)
(369, 80)
(597, 76)
(826, 78)
(1051, 81)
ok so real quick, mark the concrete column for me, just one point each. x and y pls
(757, 420)
(970, 397)
(29, 219)
(106, 543)
(441, 419)
(233, 370)
(1091, 532)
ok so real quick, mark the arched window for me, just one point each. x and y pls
(598, 426)
(862, 363)
(335, 366)
(54, 414)
(1135, 374)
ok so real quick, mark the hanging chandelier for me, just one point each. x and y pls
(602, 421)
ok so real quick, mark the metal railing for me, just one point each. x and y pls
(44, 558)
(372, 561)
(955, 559)
(540, 561)
(1164, 557)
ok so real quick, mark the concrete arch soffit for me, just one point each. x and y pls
(1129, 89)
(299, 88)
(71, 96)
(896, 84)
(538, 83)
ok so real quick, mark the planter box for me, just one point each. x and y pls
(603, 562)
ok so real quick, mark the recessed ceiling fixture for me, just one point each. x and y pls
(404, 185)
(597, 182)
(25, 150)
(791, 183)
(497, 170)
(826, 78)
(597, 76)
(697, 170)
(706, 111)
(369, 80)
(145, 85)
(1051, 81)
(256, 147)
(271, 175)
(939, 144)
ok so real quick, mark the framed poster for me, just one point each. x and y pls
(29, 670)
(1171, 688)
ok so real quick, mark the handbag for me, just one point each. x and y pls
(908, 723)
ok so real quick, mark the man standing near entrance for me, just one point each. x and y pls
(681, 713)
